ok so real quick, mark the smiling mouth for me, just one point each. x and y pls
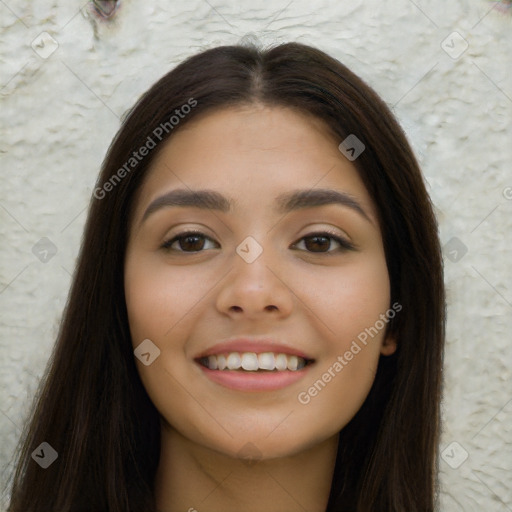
(252, 362)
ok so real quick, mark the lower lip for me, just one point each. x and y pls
(254, 381)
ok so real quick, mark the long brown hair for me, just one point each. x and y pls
(92, 407)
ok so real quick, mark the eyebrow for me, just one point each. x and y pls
(290, 201)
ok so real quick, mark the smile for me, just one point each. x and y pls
(251, 372)
(252, 362)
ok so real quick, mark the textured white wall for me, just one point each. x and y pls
(60, 111)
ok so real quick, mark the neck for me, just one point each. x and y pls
(195, 478)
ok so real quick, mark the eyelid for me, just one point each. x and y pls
(177, 230)
(328, 231)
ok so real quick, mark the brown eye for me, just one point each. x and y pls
(323, 243)
(187, 242)
(318, 243)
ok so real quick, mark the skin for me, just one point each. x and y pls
(322, 298)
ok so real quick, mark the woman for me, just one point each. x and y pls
(256, 321)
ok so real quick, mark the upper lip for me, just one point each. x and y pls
(252, 344)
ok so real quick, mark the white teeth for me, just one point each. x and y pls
(221, 362)
(250, 361)
(212, 362)
(234, 361)
(266, 361)
(292, 363)
(281, 362)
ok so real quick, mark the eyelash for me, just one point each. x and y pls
(344, 244)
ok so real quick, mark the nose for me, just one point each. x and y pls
(255, 290)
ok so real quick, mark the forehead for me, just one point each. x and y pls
(252, 154)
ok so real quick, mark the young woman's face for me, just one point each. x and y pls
(275, 264)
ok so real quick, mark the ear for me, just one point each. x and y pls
(388, 346)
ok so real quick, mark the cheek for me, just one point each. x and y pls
(157, 298)
(347, 300)
(351, 306)
(159, 302)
